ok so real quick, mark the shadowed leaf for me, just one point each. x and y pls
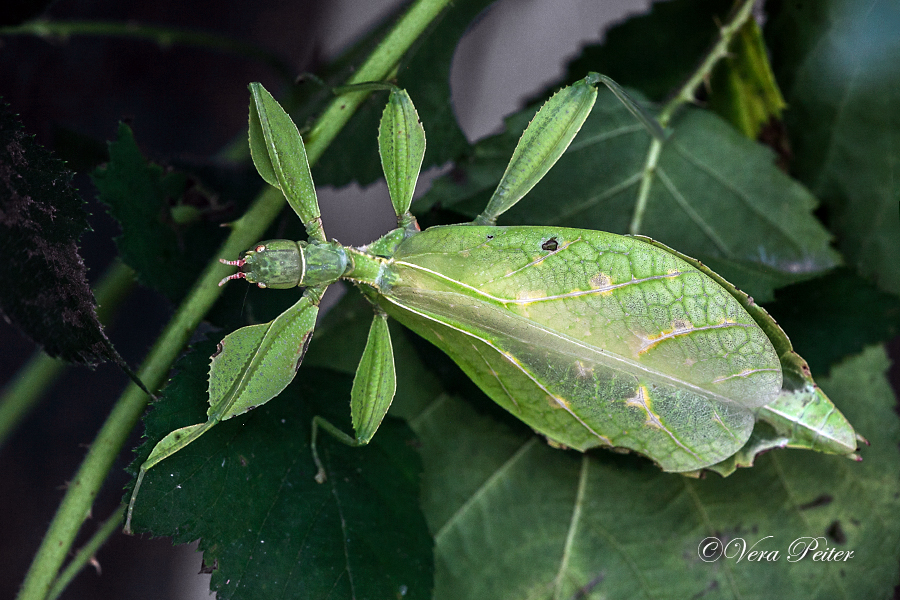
(713, 195)
(246, 490)
(834, 316)
(43, 284)
(170, 226)
(836, 61)
(654, 52)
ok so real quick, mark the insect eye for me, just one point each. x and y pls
(261, 285)
(550, 245)
(260, 248)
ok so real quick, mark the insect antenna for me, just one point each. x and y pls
(234, 263)
(238, 275)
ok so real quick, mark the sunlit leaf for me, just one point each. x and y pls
(742, 88)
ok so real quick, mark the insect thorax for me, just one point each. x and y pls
(282, 264)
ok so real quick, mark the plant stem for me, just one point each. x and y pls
(647, 175)
(86, 553)
(686, 93)
(163, 36)
(245, 231)
(22, 393)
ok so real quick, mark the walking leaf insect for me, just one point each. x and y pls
(591, 338)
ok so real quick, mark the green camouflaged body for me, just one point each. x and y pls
(589, 337)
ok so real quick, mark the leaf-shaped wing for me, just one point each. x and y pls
(802, 416)
(591, 338)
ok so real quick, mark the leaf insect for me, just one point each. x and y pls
(635, 347)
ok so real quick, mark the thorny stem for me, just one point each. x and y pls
(93, 470)
(22, 394)
(86, 553)
(648, 173)
(163, 36)
(685, 94)
(247, 230)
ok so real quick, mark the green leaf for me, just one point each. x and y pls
(836, 62)
(375, 381)
(43, 280)
(166, 254)
(401, 145)
(742, 88)
(425, 74)
(279, 154)
(834, 316)
(567, 525)
(246, 490)
(654, 52)
(712, 194)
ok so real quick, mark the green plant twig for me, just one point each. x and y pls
(685, 94)
(245, 231)
(86, 553)
(24, 391)
(165, 37)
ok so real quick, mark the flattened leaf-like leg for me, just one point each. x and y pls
(279, 155)
(372, 393)
(401, 144)
(252, 366)
(543, 142)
